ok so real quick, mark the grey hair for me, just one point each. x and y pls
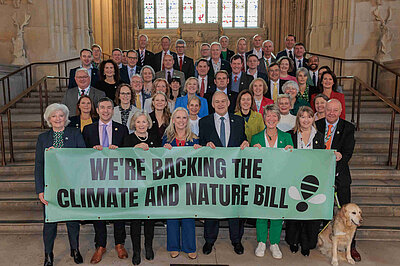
(53, 108)
(216, 43)
(84, 70)
(283, 96)
(273, 108)
(217, 93)
(143, 35)
(302, 70)
(136, 116)
(290, 84)
(264, 42)
(149, 67)
(180, 41)
(222, 37)
(138, 76)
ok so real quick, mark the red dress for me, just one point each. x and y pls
(334, 95)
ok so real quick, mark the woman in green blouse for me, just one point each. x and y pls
(246, 108)
(270, 137)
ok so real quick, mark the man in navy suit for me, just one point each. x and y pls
(131, 68)
(86, 62)
(299, 59)
(206, 83)
(222, 129)
(290, 40)
(221, 81)
(257, 50)
(216, 63)
(99, 135)
(252, 67)
(145, 56)
(184, 63)
(241, 48)
(239, 80)
(159, 57)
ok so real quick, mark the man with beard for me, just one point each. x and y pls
(313, 63)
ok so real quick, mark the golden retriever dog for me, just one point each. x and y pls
(339, 233)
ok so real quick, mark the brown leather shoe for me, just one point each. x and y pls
(355, 255)
(97, 256)
(122, 254)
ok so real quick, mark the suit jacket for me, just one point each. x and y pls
(187, 66)
(343, 142)
(181, 75)
(251, 52)
(318, 140)
(229, 54)
(304, 63)
(92, 138)
(225, 65)
(284, 139)
(262, 75)
(283, 53)
(75, 121)
(244, 82)
(148, 58)
(124, 75)
(117, 116)
(268, 94)
(72, 139)
(208, 132)
(71, 98)
(157, 64)
(142, 100)
(334, 95)
(232, 99)
(262, 66)
(95, 76)
(210, 86)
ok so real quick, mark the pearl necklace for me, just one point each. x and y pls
(142, 139)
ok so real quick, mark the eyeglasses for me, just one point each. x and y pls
(82, 77)
(125, 93)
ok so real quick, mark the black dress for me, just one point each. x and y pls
(304, 232)
(132, 140)
(155, 128)
(109, 89)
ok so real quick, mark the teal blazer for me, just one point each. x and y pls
(284, 139)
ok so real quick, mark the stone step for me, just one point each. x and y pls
(368, 187)
(17, 186)
(16, 170)
(369, 104)
(376, 174)
(363, 92)
(27, 100)
(378, 205)
(35, 105)
(370, 158)
(35, 94)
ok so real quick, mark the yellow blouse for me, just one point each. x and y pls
(85, 123)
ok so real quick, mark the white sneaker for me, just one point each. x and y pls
(260, 250)
(276, 252)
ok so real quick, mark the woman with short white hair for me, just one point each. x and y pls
(287, 120)
(292, 89)
(59, 136)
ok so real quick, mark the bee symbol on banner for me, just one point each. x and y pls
(309, 185)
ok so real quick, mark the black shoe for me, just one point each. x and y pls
(294, 248)
(48, 259)
(207, 248)
(136, 258)
(305, 252)
(149, 253)
(238, 248)
(77, 256)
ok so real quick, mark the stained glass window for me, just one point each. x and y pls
(163, 14)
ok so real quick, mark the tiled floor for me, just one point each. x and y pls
(28, 250)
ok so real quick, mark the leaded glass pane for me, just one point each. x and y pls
(173, 13)
(240, 14)
(227, 11)
(161, 14)
(201, 11)
(148, 14)
(187, 11)
(212, 11)
(252, 13)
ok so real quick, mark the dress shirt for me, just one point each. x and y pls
(258, 53)
(255, 74)
(267, 61)
(244, 59)
(267, 143)
(287, 52)
(333, 129)
(316, 76)
(131, 73)
(224, 90)
(287, 122)
(86, 91)
(109, 131)
(166, 73)
(297, 62)
(120, 66)
(235, 85)
(179, 59)
(216, 66)
(162, 56)
(88, 69)
(200, 79)
(217, 120)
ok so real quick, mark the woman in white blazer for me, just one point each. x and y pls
(125, 108)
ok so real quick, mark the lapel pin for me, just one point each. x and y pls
(280, 141)
(338, 132)
(66, 138)
(232, 120)
(116, 129)
(151, 143)
(316, 142)
(77, 125)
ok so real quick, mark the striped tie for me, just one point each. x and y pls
(142, 57)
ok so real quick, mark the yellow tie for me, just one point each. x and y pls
(138, 103)
(275, 92)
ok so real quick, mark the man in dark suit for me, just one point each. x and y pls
(268, 57)
(299, 59)
(116, 56)
(222, 129)
(339, 136)
(206, 83)
(221, 82)
(146, 56)
(106, 134)
(86, 62)
(313, 64)
(216, 63)
(71, 96)
(252, 67)
(257, 49)
(131, 68)
(169, 72)
(238, 80)
(159, 57)
(241, 48)
(137, 86)
(274, 83)
(184, 63)
(290, 40)
(226, 54)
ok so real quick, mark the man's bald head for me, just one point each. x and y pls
(333, 110)
(168, 61)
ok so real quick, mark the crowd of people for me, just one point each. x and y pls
(250, 98)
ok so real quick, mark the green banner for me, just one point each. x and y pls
(128, 183)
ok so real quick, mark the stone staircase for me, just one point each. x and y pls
(376, 187)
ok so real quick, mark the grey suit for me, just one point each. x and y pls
(262, 68)
(71, 98)
(175, 73)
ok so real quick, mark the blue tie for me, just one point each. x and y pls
(222, 132)
(105, 137)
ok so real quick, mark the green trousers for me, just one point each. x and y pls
(274, 231)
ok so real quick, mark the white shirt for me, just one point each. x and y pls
(244, 59)
(255, 74)
(86, 91)
(162, 56)
(267, 143)
(287, 52)
(333, 128)
(216, 66)
(287, 122)
(224, 90)
(316, 75)
(309, 145)
(109, 132)
(218, 121)
(88, 69)
(131, 73)
(200, 79)
(299, 60)
(120, 66)
(194, 125)
(269, 60)
(257, 53)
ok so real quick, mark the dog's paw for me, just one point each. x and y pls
(351, 261)
(334, 262)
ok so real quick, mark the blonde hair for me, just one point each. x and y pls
(170, 131)
(187, 83)
(300, 112)
(136, 115)
(155, 83)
